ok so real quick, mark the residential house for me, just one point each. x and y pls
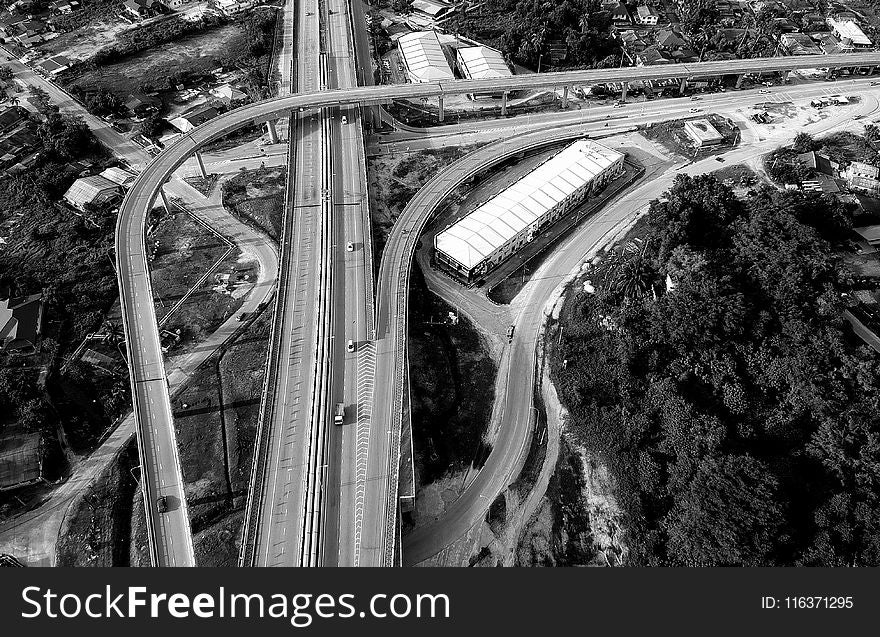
(63, 7)
(799, 44)
(54, 65)
(651, 55)
(848, 30)
(21, 323)
(670, 40)
(92, 192)
(141, 8)
(830, 45)
(429, 10)
(233, 7)
(118, 176)
(193, 118)
(142, 104)
(647, 15)
(863, 178)
(229, 95)
(21, 459)
(11, 117)
(620, 14)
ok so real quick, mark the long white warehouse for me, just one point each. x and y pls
(424, 58)
(481, 240)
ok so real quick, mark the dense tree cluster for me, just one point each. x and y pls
(713, 369)
(69, 259)
(531, 29)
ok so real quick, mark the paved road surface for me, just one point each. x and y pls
(280, 507)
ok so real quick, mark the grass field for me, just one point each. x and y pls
(186, 251)
(216, 419)
(257, 197)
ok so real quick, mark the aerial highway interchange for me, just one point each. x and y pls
(326, 495)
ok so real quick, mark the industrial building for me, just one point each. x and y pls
(484, 238)
(481, 63)
(423, 57)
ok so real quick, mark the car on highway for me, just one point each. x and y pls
(875, 83)
(162, 504)
(764, 91)
(344, 120)
(350, 346)
(721, 159)
(339, 414)
(695, 98)
(510, 334)
(349, 246)
(695, 110)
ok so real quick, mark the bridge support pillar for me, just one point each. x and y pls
(504, 103)
(623, 92)
(440, 107)
(739, 80)
(201, 165)
(564, 97)
(829, 73)
(165, 203)
(785, 76)
(683, 86)
(273, 134)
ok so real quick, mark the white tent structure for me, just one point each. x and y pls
(423, 57)
(484, 238)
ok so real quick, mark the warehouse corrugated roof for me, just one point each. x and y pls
(88, 189)
(424, 56)
(490, 226)
(481, 62)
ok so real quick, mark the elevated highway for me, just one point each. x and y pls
(148, 378)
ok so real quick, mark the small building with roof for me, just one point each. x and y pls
(423, 57)
(21, 323)
(118, 176)
(92, 191)
(702, 132)
(850, 32)
(498, 228)
(21, 460)
(196, 117)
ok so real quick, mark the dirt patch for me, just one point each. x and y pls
(257, 198)
(193, 55)
(199, 281)
(97, 530)
(395, 179)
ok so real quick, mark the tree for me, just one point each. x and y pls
(727, 515)
(804, 143)
(152, 126)
(103, 103)
(872, 132)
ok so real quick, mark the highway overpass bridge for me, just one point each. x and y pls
(149, 384)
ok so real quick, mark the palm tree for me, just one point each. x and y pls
(115, 334)
(628, 273)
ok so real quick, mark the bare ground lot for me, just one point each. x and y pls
(186, 251)
(395, 179)
(194, 54)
